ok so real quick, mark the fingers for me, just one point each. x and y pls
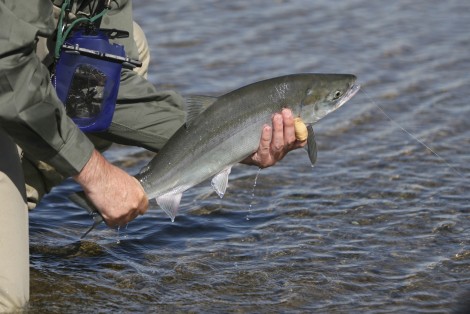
(135, 204)
(118, 196)
(264, 149)
(288, 127)
(116, 215)
(276, 141)
(289, 131)
(284, 139)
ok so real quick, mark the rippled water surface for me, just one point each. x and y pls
(379, 225)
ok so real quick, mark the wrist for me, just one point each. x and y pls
(94, 167)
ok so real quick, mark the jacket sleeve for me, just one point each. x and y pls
(30, 111)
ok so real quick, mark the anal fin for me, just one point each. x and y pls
(170, 203)
(220, 181)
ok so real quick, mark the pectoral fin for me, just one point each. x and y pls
(311, 146)
(170, 203)
(220, 181)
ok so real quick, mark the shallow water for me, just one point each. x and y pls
(379, 225)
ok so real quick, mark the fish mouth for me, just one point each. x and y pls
(349, 94)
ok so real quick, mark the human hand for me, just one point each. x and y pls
(118, 196)
(275, 141)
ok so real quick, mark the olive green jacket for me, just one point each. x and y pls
(30, 111)
(34, 117)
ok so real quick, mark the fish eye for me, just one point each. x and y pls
(337, 94)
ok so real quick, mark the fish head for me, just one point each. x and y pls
(325, 94)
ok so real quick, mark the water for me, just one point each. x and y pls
(253, 194)
(379, 225)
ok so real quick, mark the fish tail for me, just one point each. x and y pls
(81, 200)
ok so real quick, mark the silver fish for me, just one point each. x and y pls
(228, 131)
(223, 131)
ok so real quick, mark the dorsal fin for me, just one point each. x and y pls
(195, 105)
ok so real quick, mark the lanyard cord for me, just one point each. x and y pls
(63, 32)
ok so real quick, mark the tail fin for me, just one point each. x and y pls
(80, 199)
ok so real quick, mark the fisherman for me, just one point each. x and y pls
(36, 134)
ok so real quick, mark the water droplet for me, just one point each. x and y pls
(118, 240)
(250, 207)
(125, 235)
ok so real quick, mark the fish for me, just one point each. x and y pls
(222, 131)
